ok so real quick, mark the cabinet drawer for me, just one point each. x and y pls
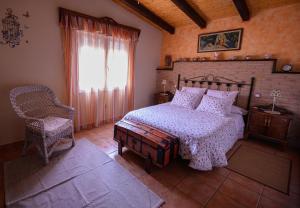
(258, 118)
(278, 127)
(269, 125)
(258, 123)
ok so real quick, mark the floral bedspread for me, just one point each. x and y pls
(204, 137)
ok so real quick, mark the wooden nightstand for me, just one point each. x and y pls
(272, 126)
(163, 98)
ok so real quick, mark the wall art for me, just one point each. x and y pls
(12, 30)
(220, 41)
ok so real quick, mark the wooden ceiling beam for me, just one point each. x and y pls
(242, 8)
(184, 6)
(145, 12)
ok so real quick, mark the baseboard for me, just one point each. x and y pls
(12, 145)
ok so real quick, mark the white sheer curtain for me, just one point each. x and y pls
(101, 64)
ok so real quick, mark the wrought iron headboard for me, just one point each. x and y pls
(211, 79)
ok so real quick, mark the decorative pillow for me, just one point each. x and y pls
(185, 99)
(195, 90)
(238, 110)
(223, 94)
(230, 95)
(214, 105)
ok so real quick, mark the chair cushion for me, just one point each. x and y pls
(54, 125)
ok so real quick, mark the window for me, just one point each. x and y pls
(91, 68)
(103, 63)
(117, 65)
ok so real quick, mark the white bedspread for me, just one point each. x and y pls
(204, 137)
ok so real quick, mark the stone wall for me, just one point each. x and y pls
(265, 82)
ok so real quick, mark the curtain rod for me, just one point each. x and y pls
(107, 20)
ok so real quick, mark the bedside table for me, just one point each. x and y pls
(273, 127)
(163, 98)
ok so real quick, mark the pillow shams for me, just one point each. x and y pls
(195, 90)
(223, 94)
(229, 95)
(185, 99)
(214, 105)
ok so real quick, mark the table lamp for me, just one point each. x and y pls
(275, 94)
(164, 83)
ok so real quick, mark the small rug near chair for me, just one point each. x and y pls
(84, 176)
(266, 168)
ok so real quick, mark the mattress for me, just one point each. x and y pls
(204, 137)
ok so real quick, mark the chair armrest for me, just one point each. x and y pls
(68, 108)
(65, 111)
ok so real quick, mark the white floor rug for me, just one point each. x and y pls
(81, 177)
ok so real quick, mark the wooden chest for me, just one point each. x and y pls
(154, 145)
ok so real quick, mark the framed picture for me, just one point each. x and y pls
(220, 41)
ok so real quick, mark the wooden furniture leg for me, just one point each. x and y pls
(120, 146)
(148, 164)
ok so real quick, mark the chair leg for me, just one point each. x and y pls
(27, 142)
(73, 139)
(45, 152)
(46, 160)
(73, 142)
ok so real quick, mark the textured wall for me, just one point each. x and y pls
(41, 61)
(243, 71)
(275, 31)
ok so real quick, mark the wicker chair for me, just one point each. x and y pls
(47, 121)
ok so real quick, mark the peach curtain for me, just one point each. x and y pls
(108, 93)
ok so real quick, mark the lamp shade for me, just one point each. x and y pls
(164, 82)
(276, 93)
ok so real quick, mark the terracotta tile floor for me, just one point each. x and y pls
(181, 186)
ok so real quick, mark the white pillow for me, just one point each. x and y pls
(214, 105)
(195, 90)
(238, 110)
(223, 94)
(230, 95)
(185, 99)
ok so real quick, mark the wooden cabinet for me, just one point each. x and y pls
(163, 97)
(274, 127)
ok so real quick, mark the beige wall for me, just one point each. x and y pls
(41, 60)
(275, 31)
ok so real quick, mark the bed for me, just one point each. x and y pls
(204, 137)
